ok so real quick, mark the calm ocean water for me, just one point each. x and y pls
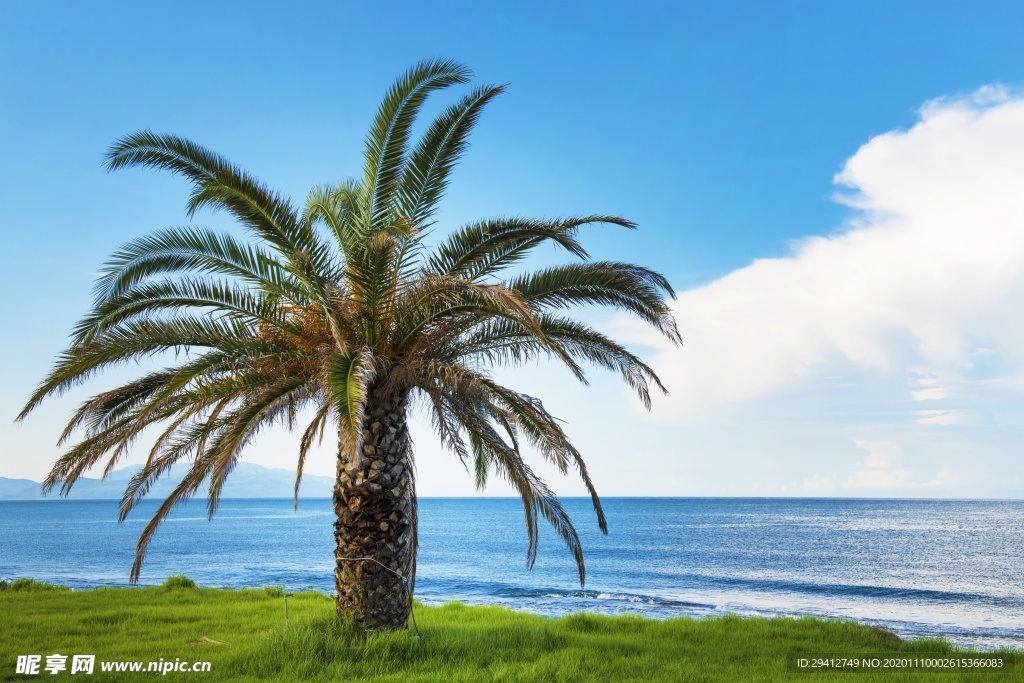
(949, 568)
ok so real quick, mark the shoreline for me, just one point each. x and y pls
(990, 639)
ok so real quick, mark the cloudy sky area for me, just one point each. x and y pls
(837, 193)
(890, 347)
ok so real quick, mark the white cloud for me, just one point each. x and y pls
(941, 417)
(923, 286)
(881, 454)
(930, 394)
(883, 469)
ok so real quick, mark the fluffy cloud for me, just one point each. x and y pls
(923, 287)
(883, 469)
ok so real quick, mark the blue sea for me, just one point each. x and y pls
(921, 568)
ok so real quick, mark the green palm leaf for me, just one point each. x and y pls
(348, 379)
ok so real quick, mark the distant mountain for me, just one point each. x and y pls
(246, 481)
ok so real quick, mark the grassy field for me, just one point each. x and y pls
(252, 641)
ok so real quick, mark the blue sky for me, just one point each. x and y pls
(719, 127)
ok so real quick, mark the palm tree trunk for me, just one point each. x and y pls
(375, 532)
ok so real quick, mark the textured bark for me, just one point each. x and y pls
(375, 531)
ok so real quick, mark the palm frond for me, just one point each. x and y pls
(638, 290)
(185, 489)
(136, 339)
(425, 176)
(348, 379)
(196, 250)
(504, 342)
(219, 298)
(338, 207)
(444, 301)
(536, 496)
(487, 247)
(220, 184)
(316, 426)
(259, 410)
(179, 441)
(387, 143)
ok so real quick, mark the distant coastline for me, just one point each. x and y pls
(247, 481)
(255, 482)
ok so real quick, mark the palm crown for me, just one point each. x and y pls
(333, 303)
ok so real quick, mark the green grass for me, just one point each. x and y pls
(456, 643)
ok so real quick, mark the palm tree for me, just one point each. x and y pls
(342, 317)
